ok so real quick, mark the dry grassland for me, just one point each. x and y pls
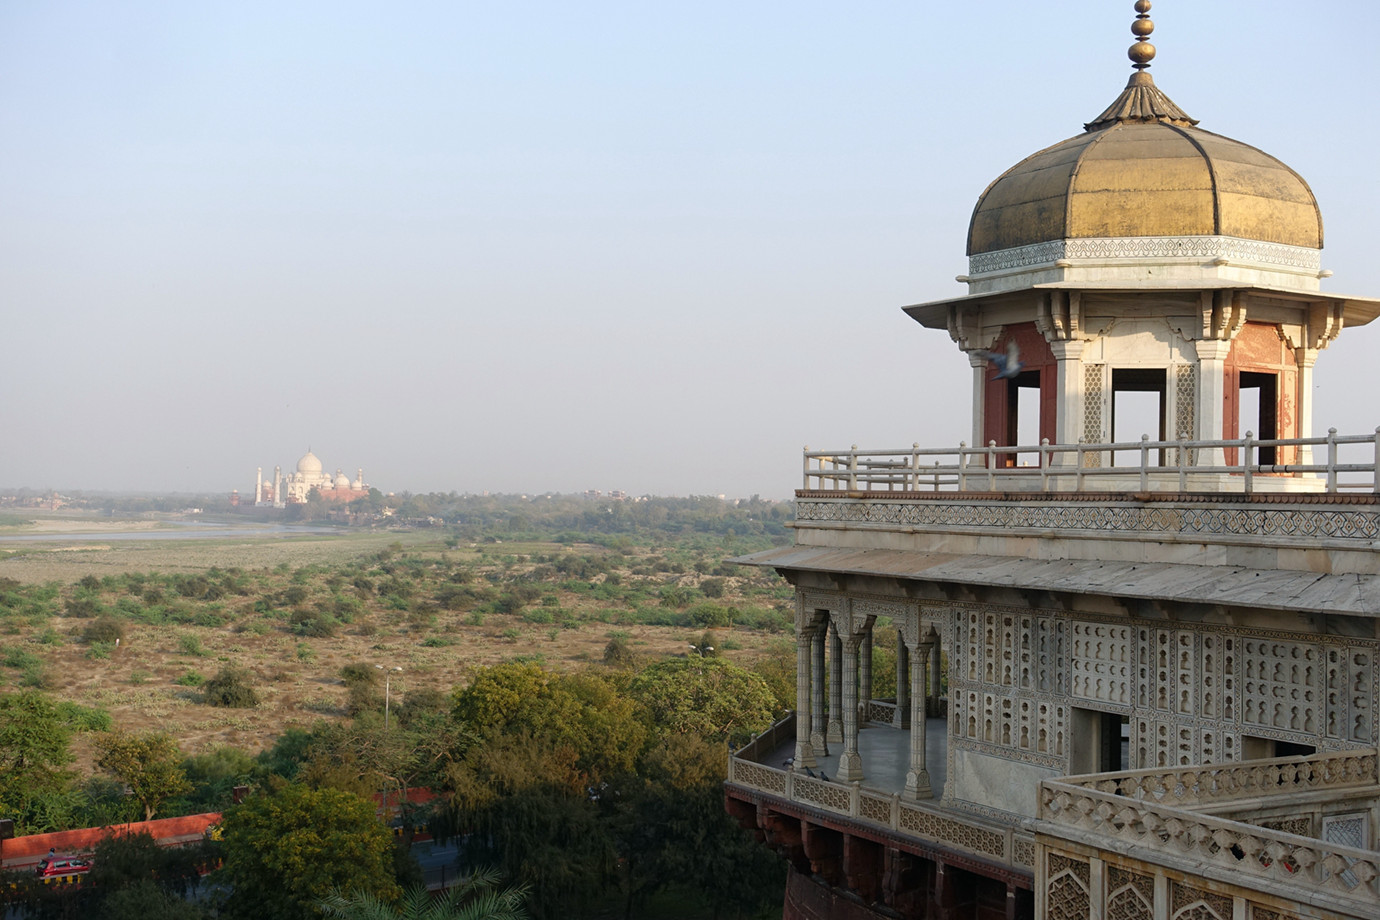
(298, 677)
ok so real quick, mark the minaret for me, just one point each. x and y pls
(259, 488)
(278, 487)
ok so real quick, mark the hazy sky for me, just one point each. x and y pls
(528, 246)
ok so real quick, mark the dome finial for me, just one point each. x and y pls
(1142, 52)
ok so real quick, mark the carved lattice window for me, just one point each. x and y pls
(1132, 896)
(1068, 889)
(1093, 416)
(1185, 410)
(1189, 903)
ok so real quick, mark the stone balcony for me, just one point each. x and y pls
(928, 826)
(1264, 535)
(1277, 838)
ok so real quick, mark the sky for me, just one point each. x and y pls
(536, 246)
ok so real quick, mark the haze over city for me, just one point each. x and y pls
(535, 246)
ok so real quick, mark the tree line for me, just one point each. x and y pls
(595, 791)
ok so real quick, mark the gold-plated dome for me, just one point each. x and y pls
(1143, 169)
(1136, 178)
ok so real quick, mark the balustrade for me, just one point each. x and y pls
(1142, 465)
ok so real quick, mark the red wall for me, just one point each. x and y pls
(36, 846)
(1037, 356)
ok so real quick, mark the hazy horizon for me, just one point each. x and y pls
(536, 247)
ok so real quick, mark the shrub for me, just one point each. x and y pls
(675, 596)
(312, 623)
(712, 587)
(49, 636)
(190, 644)
(419, 703)
(233, 687)
(359, 675)
(84, 718)
(82, 606)
(104, 629)
(190, 679)
(617, 654)
(363, 698)
(710, 615)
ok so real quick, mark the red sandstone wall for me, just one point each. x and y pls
(35, 846)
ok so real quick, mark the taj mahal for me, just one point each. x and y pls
(294, 488)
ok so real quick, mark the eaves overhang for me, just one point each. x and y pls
(1356, 311)
(1230, 586)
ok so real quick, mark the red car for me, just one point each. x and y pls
(62, 865)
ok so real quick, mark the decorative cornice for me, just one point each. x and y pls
(1210, 248)
(1314, 523)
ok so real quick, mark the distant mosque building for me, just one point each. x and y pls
(294, 488)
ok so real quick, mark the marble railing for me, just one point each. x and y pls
(880, 711)
(1342, 462)
(1184, 840)
(933, 825)
(1149, 813)
(762, 746)
(1202, 786)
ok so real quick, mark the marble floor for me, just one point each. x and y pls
(885, 753)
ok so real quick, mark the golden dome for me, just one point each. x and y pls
(1142, 169)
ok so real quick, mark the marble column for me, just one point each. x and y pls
(936, 673)
(918, 776)
(1306, 358)
(902, 717)
(818, 639)
(1211, 411)
(804, 750)
(834, 732)
(850, 762)
(979, 365)
(1068, 413)
(865, 675)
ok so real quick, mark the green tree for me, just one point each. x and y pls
(214, 774)
(476, 898)
(711, 697)
(584, 712)
(286, 849)
(34, 754)
(136, 879)
(147, 900)
(150, 765)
